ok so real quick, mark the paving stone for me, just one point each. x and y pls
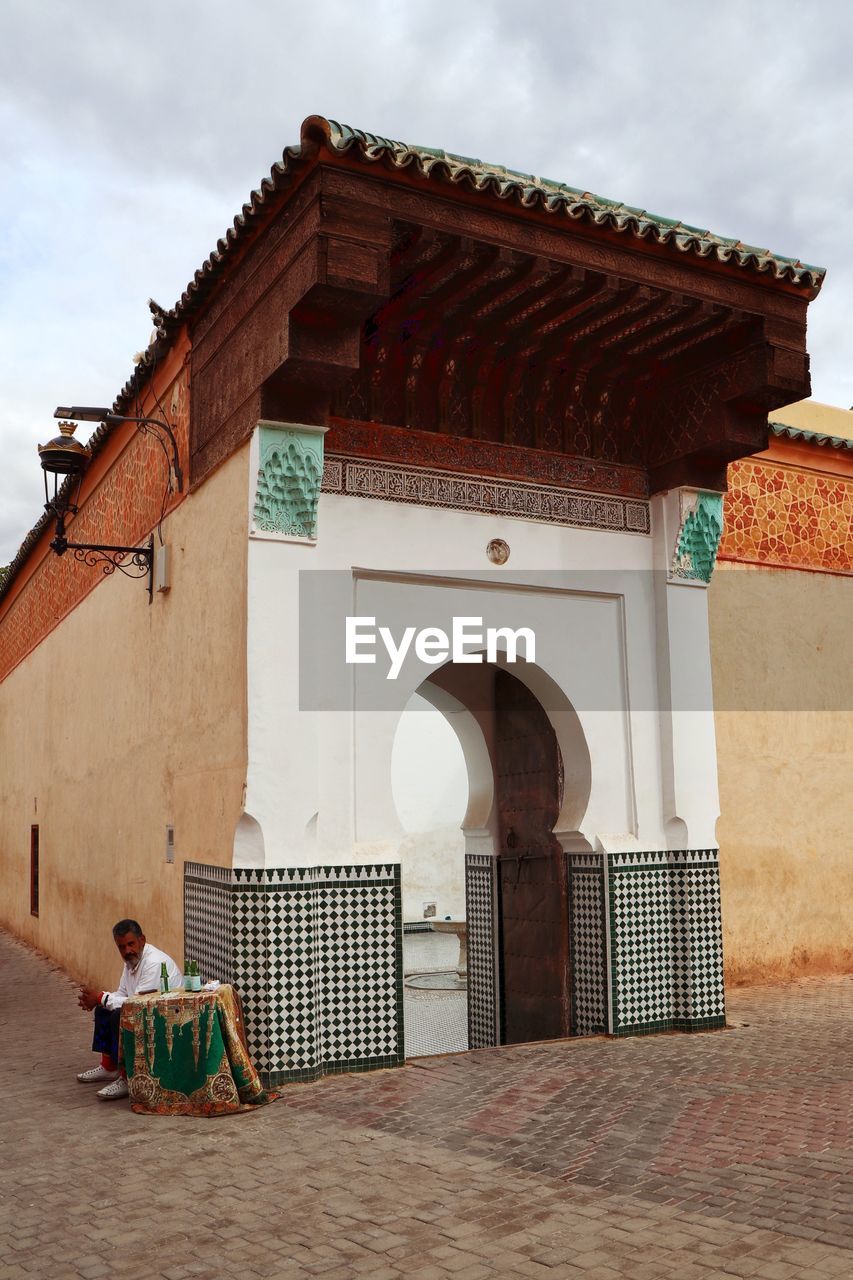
(665, 1158)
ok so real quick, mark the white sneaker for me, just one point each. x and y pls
(96, 1075)
(118, 1089)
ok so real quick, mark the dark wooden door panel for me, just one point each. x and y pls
(533, 898)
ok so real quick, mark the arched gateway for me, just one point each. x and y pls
(516, 884)
(485, 415)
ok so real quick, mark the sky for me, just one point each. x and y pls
(131, 134)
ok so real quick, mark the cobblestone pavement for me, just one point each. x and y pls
(664, 1158)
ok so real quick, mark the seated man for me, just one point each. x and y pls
(141, 973)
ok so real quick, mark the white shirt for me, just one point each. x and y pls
(145, 977)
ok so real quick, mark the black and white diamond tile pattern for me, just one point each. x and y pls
(666, 937)
(249, 967)
(291, 1022)
(207, 919)
(705, 946)
(316, 955)
(480, 871)
(588, 943)
(358, 972)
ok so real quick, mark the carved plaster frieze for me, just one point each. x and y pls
(700, 529)
(422, 486)
(289, 473)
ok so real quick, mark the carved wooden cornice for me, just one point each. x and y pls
(369, 301)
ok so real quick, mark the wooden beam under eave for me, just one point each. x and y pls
(284, 350)
(718, 412)
(571, 243)
(553, 327)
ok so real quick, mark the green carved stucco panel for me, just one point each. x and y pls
(699, 536)
(290, 472)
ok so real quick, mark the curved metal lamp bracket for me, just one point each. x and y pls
(147, 426)
(140, 560)
(133, 562)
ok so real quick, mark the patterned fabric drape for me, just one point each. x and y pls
(185, 1054)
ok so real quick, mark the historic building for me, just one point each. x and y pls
(412, 394)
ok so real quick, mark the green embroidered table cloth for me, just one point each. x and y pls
(185, 1054)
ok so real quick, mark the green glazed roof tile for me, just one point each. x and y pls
(601, 209)
(781, 429)
(485, 178)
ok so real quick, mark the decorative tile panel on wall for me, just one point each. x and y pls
(645, 943)
(316, 954)
(291, 991)
(588, 943)
(287, 484)
(359, 966)
(666, 942)
(207, 920)
(788, 516)
(249, 965)
(480, 871)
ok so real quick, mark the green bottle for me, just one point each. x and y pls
(164, 979)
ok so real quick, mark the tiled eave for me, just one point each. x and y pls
(810, 437)
(526, 191)
(531, 192)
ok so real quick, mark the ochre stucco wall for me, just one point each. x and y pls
(125, 718)
(782, 655)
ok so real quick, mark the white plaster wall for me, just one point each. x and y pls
(318, 780)
(688, 738)
(431, 795)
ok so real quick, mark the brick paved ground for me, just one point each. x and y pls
(667, 1158)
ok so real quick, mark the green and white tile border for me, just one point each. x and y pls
(588, 944)
(666, 942)
(646, 942)
(316, 954)
(481, 900)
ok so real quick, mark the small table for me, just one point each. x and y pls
(185, 1054)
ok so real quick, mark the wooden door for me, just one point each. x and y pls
(532, 886)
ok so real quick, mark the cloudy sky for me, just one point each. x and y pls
(132, 133)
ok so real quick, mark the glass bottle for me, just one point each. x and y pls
(164, 979)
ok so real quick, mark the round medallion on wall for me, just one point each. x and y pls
(498, 551)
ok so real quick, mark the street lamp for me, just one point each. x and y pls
(66, 459)
(156, 427)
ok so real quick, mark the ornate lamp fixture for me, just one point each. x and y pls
(66, 459)
(156, 427)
